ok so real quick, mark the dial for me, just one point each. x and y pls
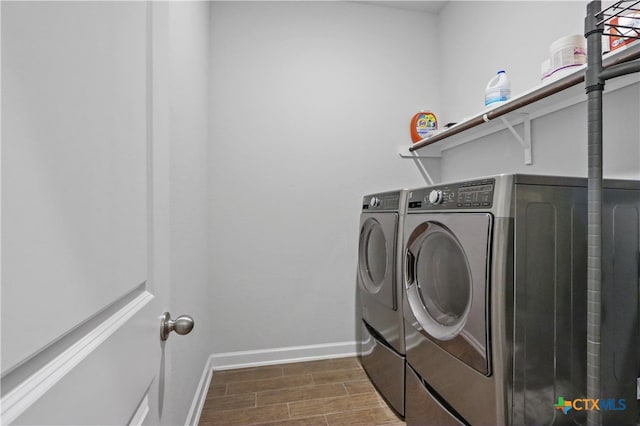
(374, 202)
(435, 197)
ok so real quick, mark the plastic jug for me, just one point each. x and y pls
(498, 89)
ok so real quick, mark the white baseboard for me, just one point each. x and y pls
(245, 359)
(193, 418)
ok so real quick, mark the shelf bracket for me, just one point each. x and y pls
(423, 171)
(404, 152)
(524, 140)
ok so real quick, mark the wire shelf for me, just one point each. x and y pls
(621, 21)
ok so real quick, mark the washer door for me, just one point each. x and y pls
(446, 282)
(376, 256)
(439, 290)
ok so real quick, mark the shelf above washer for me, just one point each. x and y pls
(556, 93)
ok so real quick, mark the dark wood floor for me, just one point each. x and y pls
(328, 392)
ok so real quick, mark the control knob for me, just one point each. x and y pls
(374, 202)
(435, 197)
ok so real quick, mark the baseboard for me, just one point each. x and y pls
(245, 359)
(193, 418)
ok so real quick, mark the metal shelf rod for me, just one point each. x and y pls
(594, 88)
(620, 70)
(595, 77)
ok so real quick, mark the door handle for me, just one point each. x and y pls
(181, 325)
(410, 268)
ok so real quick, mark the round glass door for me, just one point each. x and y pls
(441, 292)
(373, 255)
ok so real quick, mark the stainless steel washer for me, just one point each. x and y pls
(381, 330)
(495, 306)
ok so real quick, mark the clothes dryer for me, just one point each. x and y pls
(381, 339)
(495, 306)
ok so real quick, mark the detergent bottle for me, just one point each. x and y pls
(423, 124)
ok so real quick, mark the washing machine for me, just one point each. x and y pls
(495, 306)
(381, 343)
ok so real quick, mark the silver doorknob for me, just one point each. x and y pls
(181, 325)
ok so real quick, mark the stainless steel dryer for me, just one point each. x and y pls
(495, 306)
(381, 330)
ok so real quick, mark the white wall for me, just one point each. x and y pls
(189, 132)
(309, 103)
(519, 44)
(478, 38)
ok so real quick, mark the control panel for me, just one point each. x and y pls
(386, 201)
(476, 194)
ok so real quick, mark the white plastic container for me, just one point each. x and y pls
(569, 51)
(545, 69)
(498, 89)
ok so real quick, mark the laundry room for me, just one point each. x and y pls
(228, 163)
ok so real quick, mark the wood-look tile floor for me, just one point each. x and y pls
(328, 392)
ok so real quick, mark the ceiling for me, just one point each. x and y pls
(428, 6)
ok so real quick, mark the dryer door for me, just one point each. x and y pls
(376, 256)
(446, 282)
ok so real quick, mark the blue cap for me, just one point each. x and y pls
(501, 71)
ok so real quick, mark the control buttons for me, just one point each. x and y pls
(435, 197)
(467, 195)
(374, 202)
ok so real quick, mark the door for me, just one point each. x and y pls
(446, 281)
(376, 257)
(84, 212)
